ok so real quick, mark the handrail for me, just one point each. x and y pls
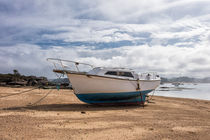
(69, 61)
(60, 62)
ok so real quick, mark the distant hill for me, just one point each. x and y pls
(206, 80)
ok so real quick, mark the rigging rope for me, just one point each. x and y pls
(41, 98)
(19, 92)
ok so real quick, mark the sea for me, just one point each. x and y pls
(185, 90)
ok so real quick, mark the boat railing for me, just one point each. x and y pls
(68, 65)
(149, 76)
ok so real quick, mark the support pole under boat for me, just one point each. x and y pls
(138, 88)
(142, 102)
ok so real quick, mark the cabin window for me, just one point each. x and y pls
(117, 73)
(126, 74)
(111, 73)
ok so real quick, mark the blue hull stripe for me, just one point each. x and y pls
(122, 97)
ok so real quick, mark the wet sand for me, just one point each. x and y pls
(62, 116)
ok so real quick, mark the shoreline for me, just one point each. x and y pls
(181, 98)
(62, 116)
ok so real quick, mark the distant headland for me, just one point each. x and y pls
(16, 79)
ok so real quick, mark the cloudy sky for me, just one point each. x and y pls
(171, 37)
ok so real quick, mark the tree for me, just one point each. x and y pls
(16, 74)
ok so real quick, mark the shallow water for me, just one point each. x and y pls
(187, 90)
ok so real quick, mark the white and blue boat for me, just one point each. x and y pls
(102, 85)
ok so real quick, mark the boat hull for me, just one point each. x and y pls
(114, 98)
(103, 90)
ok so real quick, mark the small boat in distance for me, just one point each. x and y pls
(176, 84)
(103, 85)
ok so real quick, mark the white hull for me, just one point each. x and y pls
(83, 84)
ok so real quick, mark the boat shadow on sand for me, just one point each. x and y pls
(74, 107)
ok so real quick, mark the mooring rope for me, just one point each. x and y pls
(41, 98)
(19, 92)
(152, 95)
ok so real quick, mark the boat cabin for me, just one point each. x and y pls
(114, 72)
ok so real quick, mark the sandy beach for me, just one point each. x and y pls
(62, 116)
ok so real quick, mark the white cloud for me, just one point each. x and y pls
(170, 37)
(91, 34)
